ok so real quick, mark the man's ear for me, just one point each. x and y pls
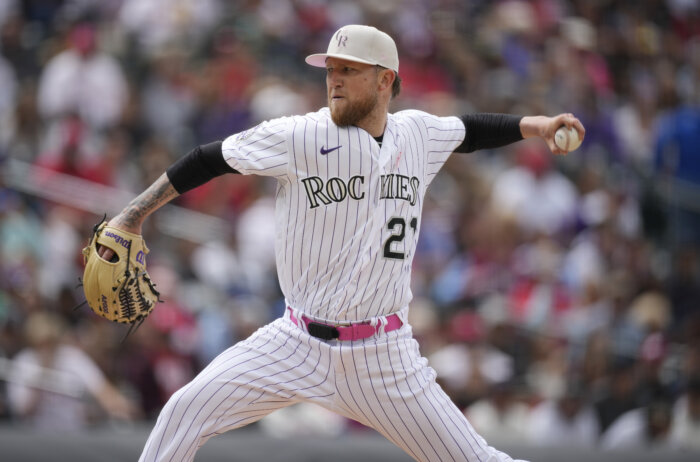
(386, 79)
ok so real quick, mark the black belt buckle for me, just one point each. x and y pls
(323, 331)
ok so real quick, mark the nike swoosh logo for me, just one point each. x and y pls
(325, 151)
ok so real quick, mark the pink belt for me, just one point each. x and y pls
(356, 331)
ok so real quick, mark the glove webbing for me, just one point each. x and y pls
(130, 297)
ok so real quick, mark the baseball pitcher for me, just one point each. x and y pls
(352, 179)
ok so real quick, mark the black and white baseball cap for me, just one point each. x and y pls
(362, 44)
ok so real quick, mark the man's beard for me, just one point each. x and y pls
(354, 112)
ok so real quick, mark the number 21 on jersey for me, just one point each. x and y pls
(397, 229)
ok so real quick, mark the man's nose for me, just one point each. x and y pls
(334, 80)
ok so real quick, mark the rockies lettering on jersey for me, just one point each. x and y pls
(335, 190)
(359, 203)
(395, 186)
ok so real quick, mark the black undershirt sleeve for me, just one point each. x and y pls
(485, 131)
(198, 166)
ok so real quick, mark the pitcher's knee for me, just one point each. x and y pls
(181, 402)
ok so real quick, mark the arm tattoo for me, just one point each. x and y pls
(157, 195)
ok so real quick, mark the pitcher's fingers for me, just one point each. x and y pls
(567, 119)
(554, 148)
(105, 252)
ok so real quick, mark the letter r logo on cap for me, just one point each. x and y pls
(342, 39)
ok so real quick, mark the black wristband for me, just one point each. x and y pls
(200, 165)
(484, 131)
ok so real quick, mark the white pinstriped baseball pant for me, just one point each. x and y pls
(381, 382)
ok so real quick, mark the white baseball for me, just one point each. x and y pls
(567, 139)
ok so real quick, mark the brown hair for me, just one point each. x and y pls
(396, 86)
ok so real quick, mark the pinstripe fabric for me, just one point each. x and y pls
(339, 214)
(382, 382)
(347, 221)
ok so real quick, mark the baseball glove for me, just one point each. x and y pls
(119, 290)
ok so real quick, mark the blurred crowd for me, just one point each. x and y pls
(558, 298)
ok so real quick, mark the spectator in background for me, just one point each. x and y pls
(168, 98)
(501, 415)
(223, 87)
(685, 420)
(569, 419)
(484, 266)
(70, 149)
(538, 298)
(546, 371)
(58, 270)
(51, 379)
(645, 427)
(19, 50)
(635, 120)
(618, 397)
(9, 90)
(468, 366)
(678, 166)
(20, 233)
(159, 23)
(83, 80)
(541, 198)
(7, 8)
(624, 334)
(651, 311)
(683, 290)
(24, 124)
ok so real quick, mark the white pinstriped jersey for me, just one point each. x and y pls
(348, 211)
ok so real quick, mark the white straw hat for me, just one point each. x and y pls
(362, 44)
